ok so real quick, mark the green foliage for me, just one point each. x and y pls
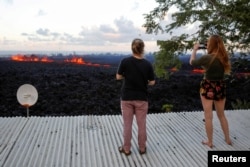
(227, 18)
(167, 107)
(240, 104)
(167, 58)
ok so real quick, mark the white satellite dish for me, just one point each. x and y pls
(27, 96)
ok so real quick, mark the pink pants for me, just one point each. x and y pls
(140, 110)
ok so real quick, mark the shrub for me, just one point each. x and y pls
(240, 104)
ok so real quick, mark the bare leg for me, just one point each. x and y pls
(219, 106)
(208, 113)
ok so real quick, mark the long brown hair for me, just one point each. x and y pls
(216, 48)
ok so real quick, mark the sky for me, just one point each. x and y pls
(75, 25)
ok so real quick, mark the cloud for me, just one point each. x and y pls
(55, 34)
(43, 32)
(118, 34)
(42, 35)
(70, 25)
(24, 34)
(125, 26)
(106, 29)
(38, 39)
(135, 6)
(6, 41)
(123, 30)
(41, 13)
(9, 1)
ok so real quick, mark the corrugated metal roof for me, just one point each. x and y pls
(174, 139)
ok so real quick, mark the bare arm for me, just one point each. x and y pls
(119, 77)
(193, 55)
(151, 83)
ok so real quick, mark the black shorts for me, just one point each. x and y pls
(213, 90)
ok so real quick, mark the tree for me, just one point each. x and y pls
(228, 18)
(167, 58)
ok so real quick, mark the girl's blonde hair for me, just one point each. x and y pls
(216, 48)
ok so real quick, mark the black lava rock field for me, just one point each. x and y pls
(67, 89)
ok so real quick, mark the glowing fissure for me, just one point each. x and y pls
(33, 58)
(196, 70)
(45, 59)
(77, 60)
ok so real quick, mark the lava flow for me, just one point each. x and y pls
(196, 70)
(46, 59)
(33, 58)
(77, 60)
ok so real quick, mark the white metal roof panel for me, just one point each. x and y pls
(174, 139)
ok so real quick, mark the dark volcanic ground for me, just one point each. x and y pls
(71, 89)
